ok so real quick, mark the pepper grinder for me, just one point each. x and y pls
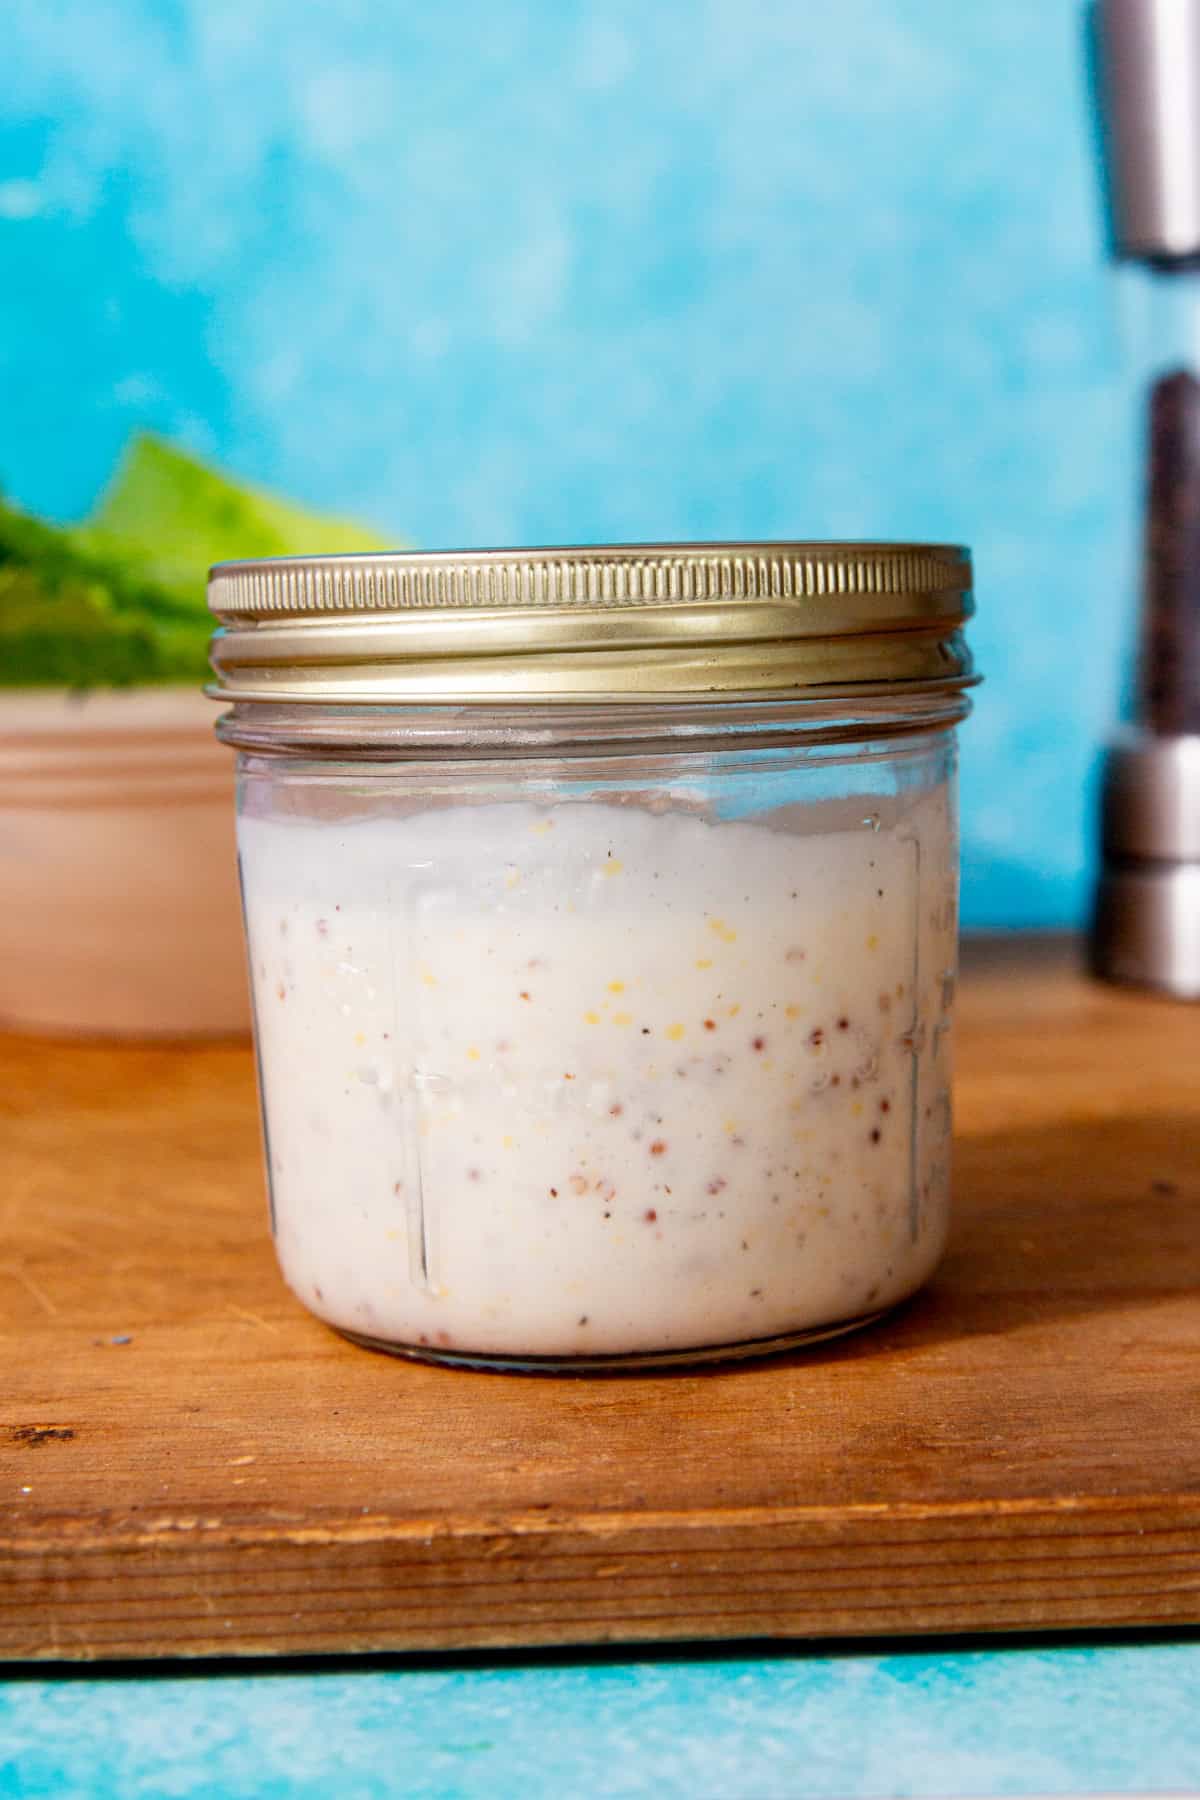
(1146, 922)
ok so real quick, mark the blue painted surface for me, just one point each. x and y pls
(619, 269)
(1006, 1722)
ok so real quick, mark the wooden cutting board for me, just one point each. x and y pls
(190, 1465)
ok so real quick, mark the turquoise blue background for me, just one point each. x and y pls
(498, 271)
(1088, 1719)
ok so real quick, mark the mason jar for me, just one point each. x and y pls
(601, 914)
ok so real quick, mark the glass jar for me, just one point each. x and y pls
(603, 967)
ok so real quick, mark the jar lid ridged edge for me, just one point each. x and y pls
(627, 575)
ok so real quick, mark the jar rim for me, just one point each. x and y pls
(487, 733)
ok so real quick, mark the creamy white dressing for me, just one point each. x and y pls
(589, 1079)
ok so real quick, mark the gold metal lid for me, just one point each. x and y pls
(620, 622)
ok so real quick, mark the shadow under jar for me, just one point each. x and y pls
(601, 909)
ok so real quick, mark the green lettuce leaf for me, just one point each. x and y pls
(119, 600)
(176, 516)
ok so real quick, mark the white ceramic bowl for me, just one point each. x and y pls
(118, 867)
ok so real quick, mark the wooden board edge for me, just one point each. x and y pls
(202, 1595)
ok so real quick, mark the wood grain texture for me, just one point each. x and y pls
(1017, 1449)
